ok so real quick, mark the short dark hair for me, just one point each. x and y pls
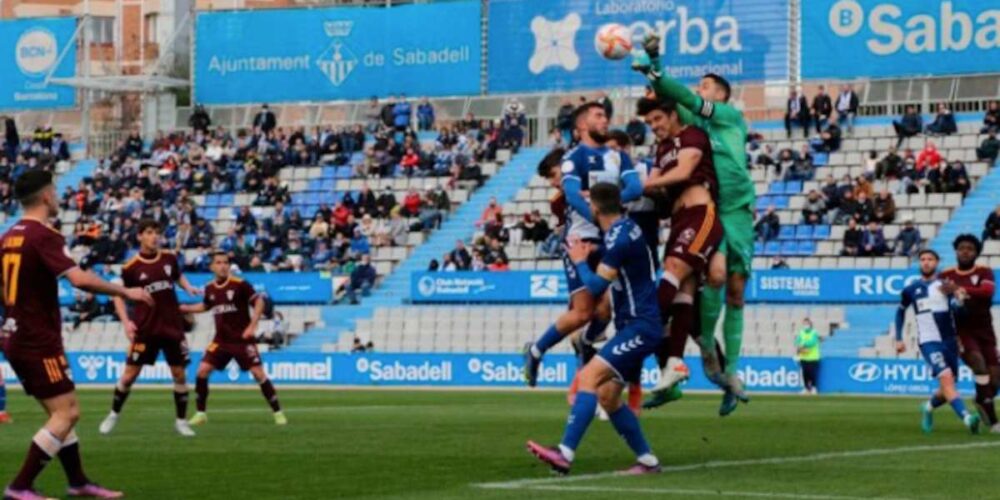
(928, 251)
(583, 109)
(145, 224)
(550, 161)
(722, 82)
(620, 137)
(219, 253)
(607, 198)
(968, 238)
(646, 106)
(29, 184)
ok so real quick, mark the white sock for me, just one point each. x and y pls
(536, 353)
(649, 460)
(567, 452)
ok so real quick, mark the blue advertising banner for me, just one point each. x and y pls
(793, 286)
(31, 49)
(837, 375)
(337, 53)
(541, 46)
(283, 288)
(890, 38)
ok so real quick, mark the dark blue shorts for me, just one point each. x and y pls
(627, 350)
(573, 282)
(941, 356)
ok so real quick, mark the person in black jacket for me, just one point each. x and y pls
(11, 139)
(909, 125)
(264, 120)
(992, 231)
(199, 120)
(362, 278)
(605, 101)
(822, 109)
(853, 237)
(797, 114)
(461, 257)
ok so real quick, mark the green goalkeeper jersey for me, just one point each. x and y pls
(727, 130)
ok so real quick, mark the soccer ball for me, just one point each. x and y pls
(613, 41)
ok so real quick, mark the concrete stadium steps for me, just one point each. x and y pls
(395, 288)
(864, 324)
(970, 217)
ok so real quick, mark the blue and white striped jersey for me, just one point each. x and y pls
(933, 309)
(582, 167)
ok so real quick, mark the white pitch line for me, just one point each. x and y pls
(304, 409)
(707, 493)
(718, 464)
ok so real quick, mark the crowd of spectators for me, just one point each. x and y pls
(43, 149)
(823, 113)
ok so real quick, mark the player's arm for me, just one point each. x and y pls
(904, 304)
(985, 289)
(687, 161)
(200, 307)
(188, 287)
(596, 283)
(258, 311)
(86, 280)
(574, 195)
(631, 184)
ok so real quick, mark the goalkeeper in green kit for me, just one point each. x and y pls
(710, 110)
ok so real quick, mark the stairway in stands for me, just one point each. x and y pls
(395, 288)
(970, 217)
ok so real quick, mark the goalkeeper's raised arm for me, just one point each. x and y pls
(710, 103)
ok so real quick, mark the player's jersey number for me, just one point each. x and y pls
(11, 271)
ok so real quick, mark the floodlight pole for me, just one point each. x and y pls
(85, 118)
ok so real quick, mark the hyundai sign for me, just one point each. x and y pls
(879, 38)
(337, 53)
(29, 52)
(549, 45)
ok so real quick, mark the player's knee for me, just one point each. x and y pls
(576, 318)
(610, 397)
(204, 371)
(976, 363)
(70, 414)
(734, 298)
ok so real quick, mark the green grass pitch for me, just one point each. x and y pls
(444, 445)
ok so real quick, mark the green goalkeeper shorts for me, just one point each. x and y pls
(737, 244)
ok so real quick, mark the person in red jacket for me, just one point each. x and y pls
(410, 162)
(411, 204)
(928, 157)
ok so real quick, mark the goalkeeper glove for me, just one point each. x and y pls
(646, 61)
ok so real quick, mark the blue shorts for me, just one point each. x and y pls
(627, 350)
(941, 356)
(573, 282)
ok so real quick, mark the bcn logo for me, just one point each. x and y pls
(951, 30)
(35, 51)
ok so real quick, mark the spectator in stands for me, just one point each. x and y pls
(797, 114)
(889, 166)
(605, 102)
(933, 179)
(564, 122)
(885, 207)
(944, 122)
(265, 121)
(447, 264)
(489, 213)
(807, 342)
(767, 225)
(989, 149)
(853, 238)
(495, 256)
(84, 309)
(412, 203)
(425, 115)
(870, 165)
(908, 240)
(956, 178)
(460, 256)
(433, 207)
(320, 228)
(779, 263)
(785, 161)
(829, 139)
(373, 115)
(512, 126)
(799, 169)
(873, 241)
(362, 278)
(909, 125)
(410, 162)
(814, 210)
(12, 141)
(199, 119)
(386, 202)
(831, 192)
(401, 114)
(992, 231)
(357, 346)
(534, 228)
(496, 229)
(60, 148)
(847, 107)
(991, 120)
(848, 209)
(866, 208)
(395, 231)
(822, 109)
(929, 156)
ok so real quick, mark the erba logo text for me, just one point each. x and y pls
(892, 30)
(36, 52)
(555, 41)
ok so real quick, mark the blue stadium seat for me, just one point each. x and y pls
(227, 200)
(803, 232)
(821, 159)
(329, 172)
(789, 248)
(212, 200)
(758, 248)
(776, 187)
(806, 248)
(773, 248)
(786, 233)
(821, 232)
(315, 185)
(211, 213)
(329, 184)
(793, 187)
(780, 202)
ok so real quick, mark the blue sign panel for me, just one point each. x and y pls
(337, 53)
(837, 375)
(513, 286)
(283, 288)
(889, 38)
(31, 49)
(550, 45)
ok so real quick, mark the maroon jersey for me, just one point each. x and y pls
(33, 257)
(704, 173)
(157, 275)
(976, 320)
(230, 303)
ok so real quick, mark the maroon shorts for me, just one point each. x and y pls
(986, 346)
(43, 376)
(145, 351)
(695, 235)
(218, 355)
